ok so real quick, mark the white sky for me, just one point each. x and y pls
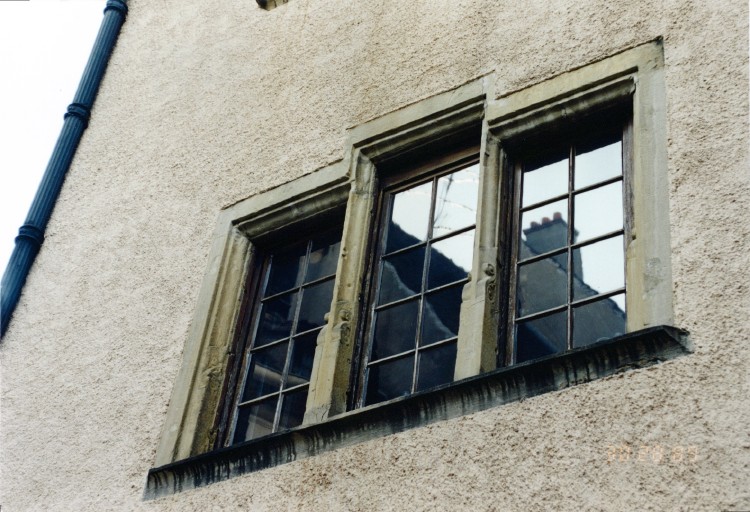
(44, 46)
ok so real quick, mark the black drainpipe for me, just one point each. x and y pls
(31, 234)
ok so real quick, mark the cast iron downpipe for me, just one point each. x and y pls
(31, 234)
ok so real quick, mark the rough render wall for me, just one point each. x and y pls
(206, 103)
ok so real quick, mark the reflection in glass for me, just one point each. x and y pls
(450, 259)
(456, 201)
(266, 369)
(324, 257)
(598, 165)
(303, 353)
(598, 321)
(542, 285)
(544, 229)
(436, 366)
(286, 269)
(276, 317)
(440, 315)
(395, 330)
(316, 302)
(293, 409)
(545, 182)
(599, 268)
(255, 420)
(598, 211)
(402, 275)
(541, 337)
(390, 380)
(409, 218)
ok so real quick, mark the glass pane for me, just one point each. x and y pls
(389, 380)
(541, 337)
(316, 302)
(450, 259)
(276, 317)
(287, 267)
(598, 165)
(456, 201)
(598, 321)
(544, 229)
(598, 211)
(266, 369)
(293, 409)
(395, 330)
(324, 256)
(440, 315)
(303, 353)
(436, 366)
(545, 181)
(255, 420)
(598, 268)
(409, 218)
(542, 285)
(402, 275)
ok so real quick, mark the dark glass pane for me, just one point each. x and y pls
(440, 315)
(456, 201)
(324, 256)
(266, 369)
(303, 353)
(542, 285)
(255, 420)
(316, 302)
(598, 164)
(287, 267)
(436, 366)
(545, 180)
(409, 218)
(598, 211)
(275, 320)
(402, 275)
(599, 321)
(544, 229)
(598, 268)
(293, 409)
(395, 330)
(450, 259)
(541, 337)
(389, 380)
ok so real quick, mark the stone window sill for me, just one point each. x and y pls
(504, 385)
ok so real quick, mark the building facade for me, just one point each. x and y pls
(379, 255)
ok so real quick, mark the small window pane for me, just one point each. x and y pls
(266, 369)
(542, 285)
(324, 256)
(287, 267)
(409, 218)
(402, 275)
(541, 337)
(255, 420)
(450, 259)
(436, 366)
(293, 409)
(440, 315)
(545, 181)
(390, 380)
(395, 330)
(456, 201)
(544, 229)
(303, 353)
(598, 211)
(598, 321)
(598, 268)
(598, 165)
(316, 302)
(276, 316)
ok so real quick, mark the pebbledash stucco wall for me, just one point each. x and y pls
(207, 103)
